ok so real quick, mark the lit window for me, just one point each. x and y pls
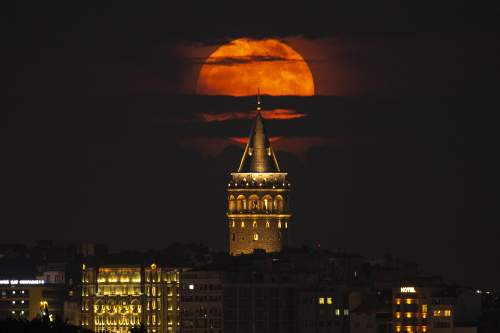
(233, 224)
(442, 313)
(267, 224)
(321, 300)
(337, 312)
(329, 300)
(242, 224)
(286, 224)
(254, 224)
(255, 236)
(346, 312)
(191, 286)
(424, 308)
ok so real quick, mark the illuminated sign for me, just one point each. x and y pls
(408, 290)
(22, 281)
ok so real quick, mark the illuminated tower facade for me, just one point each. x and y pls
(258, 196)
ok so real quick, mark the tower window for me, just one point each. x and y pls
(267, 224)
(242, 224)
(286, 224)
(233, 224)
(255, 236)
(254, 224)
(234, 237)
(279, 224)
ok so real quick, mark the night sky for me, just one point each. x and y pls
(104, 138)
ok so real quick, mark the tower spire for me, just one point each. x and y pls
(258, 99)
(259, 156)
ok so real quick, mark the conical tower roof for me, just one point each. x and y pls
(259, 156)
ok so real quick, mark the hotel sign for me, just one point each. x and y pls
(408, 290)
(14, 282)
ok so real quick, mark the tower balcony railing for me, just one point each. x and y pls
(255, 184)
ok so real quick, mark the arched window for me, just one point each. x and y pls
(267, 224)
(233, 223)
(232, 203)
(255, 224)
(279, 235)
(279, 224)
(254, 202)
(242, 224)
(234, 237)
(278, 201)
(255, 236)
(286, 224)
(266, 202)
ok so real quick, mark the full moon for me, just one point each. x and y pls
(240, 67)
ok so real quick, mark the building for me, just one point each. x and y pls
(445, 309)
(201, 300)
(258, 193)
(326, 309)
(30, 298)
(371, 319)
(127, 290)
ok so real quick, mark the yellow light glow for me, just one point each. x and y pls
(408, 315)
(398, 328)
(398, 301)
(153, 266)
(398, 315)
(408, 301)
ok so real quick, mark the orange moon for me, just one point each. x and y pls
(240, 67)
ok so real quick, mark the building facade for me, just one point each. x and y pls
(201, 301)
(116, 297)
(258, 196)
(427, 309)
(31, 298)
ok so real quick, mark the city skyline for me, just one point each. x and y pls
(106, 140)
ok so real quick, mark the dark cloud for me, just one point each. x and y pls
(231, 61)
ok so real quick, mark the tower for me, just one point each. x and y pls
(258, 197)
